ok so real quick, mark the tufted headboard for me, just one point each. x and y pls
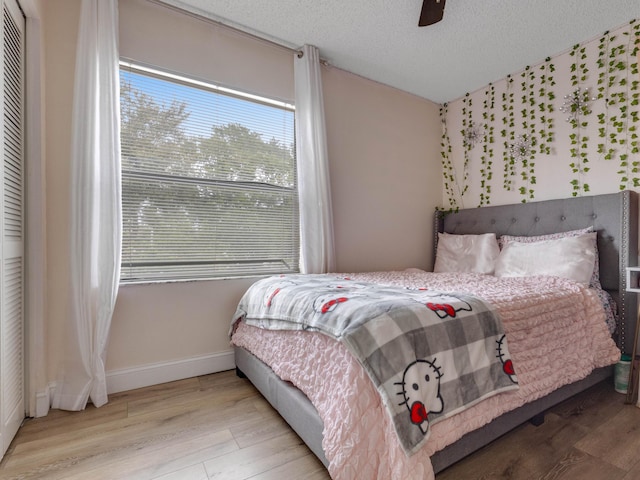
(614, 216)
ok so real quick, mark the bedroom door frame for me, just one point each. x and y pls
(38, 390)
(35, 381)
(12, 202)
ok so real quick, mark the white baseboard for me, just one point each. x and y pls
(146, 375)
(43, 401)
(156, 373)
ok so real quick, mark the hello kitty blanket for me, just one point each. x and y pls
(430, 355)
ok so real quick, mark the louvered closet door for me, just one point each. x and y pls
(12, 404)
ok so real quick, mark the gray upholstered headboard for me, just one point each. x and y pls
(614, 216)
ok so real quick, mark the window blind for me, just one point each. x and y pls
(208, 180)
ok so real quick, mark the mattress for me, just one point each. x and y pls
(557, 335)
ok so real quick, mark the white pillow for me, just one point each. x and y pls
(466, 253)
(569, 257)
(595, 276)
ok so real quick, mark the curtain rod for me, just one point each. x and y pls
(205, 18)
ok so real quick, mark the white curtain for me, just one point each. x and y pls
(95, 208)
(316, 218)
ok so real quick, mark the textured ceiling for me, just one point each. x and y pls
(477, 42)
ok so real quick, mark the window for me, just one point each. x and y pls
(208, 180)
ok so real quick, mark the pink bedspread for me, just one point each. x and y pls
(556, 332)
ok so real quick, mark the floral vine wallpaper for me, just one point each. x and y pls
(567, 126)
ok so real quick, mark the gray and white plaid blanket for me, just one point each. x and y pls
(429, 354)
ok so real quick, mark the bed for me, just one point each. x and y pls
(615, 219)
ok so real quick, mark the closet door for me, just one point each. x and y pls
(12, 401)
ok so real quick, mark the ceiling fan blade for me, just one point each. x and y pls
(432, 12)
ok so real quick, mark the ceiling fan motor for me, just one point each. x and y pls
(432, 12)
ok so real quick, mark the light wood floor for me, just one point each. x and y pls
(218, 426)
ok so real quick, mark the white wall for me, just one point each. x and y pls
(385, 174)
(553, 172)
(59, 25)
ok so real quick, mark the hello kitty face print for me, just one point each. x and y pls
(444, 305)
(274, 290)
(337, 293)
(507, 364)
(421, 392)
(328, 302)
